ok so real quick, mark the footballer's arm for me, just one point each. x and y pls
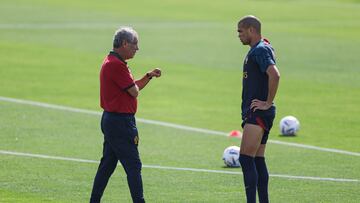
(274, 77)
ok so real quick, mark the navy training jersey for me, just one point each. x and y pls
(255, 78)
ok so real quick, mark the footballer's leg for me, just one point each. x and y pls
(263, 174)
(266, 123)
(250, 143)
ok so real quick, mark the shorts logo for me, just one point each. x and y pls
(245, 74)
(136, 140)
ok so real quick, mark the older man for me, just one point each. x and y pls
(118, 93)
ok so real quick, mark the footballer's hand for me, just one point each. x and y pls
(259, 105)
(155, 73)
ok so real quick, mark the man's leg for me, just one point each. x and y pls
(123, 139)
(132, 166)
(263, 174)
(128, 154)
(249, 146)
(106, 168)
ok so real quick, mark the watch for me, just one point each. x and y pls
(148, 76)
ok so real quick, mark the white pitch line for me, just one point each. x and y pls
(181, 127)
(171, 125)
(175, 168)
(314, 147)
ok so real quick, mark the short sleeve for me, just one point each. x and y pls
(264, 56)
(122, 76)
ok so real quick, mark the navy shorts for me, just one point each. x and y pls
(264, 119)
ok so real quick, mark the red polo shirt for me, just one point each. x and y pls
(115, 80)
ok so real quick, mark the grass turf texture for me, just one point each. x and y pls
(51, 51)
(56, 133)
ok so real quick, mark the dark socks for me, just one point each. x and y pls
(263, 179)
(250, 177)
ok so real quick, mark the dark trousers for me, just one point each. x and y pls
(120, 143)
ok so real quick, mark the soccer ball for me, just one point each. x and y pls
(289, 125)
(231, 156)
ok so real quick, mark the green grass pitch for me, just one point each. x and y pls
(51, 51)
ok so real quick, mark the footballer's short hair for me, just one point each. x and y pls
(251, 21)
(127, 34)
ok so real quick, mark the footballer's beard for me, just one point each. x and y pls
(245, 42)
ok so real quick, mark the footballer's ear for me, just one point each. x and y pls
(251, 29)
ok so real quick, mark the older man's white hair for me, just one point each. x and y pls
(127, 34)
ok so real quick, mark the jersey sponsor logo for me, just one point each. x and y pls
(136, 140)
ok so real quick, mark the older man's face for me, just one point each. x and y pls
(131, 48)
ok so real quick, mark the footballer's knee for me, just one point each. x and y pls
(248, 150)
